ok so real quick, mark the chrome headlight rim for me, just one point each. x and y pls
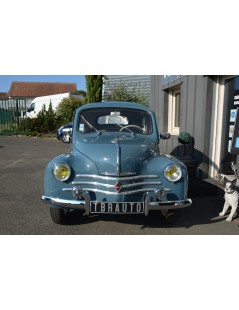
(62, 165)
(173, 172)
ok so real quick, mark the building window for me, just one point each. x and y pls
(174, 111)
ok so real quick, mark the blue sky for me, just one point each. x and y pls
(6, 80)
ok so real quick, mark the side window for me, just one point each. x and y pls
(31, 107)
(174, 100)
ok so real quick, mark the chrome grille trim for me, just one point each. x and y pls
(132, 182)
(113, 185)
(94, 184)
(96, 190)
(119, 179)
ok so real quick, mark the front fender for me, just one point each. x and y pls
(157, 164)
(78, 164)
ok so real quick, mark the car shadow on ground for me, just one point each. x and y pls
(197, 214)
(204, 210)
(207, 202)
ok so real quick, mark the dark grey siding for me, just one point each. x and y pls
(195, 116)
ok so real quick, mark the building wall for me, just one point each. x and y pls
(195, 116)
(205, 108)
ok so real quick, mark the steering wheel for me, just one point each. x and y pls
(127, 126)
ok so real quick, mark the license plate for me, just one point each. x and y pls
(116, 207)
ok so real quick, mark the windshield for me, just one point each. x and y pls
(115, 120)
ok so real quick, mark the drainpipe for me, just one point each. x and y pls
(212, 171)
(218, 122)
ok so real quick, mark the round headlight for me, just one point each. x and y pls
(173, 173)
(61, 172)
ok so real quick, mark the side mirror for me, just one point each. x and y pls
(165, 135)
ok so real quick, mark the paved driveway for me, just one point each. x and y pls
(22, 162)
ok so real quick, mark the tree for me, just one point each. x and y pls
(80, 92)
(50, 119)
(67, 107)
(94, 84)
(120, 92)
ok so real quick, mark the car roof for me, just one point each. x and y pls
(113, 104)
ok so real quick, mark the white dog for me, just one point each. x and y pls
(231, 199)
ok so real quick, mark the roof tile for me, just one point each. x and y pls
(36, 89)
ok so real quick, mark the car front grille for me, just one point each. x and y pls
(111, 185)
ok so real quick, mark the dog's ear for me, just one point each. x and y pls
(234, 182)
(225, 180)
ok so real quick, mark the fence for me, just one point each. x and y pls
(13, 118)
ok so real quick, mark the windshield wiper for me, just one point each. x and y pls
(122, 127)
(89, 124)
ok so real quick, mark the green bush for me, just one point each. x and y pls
(67, 107)
(45, 122)
(120, 92)
(48, 121)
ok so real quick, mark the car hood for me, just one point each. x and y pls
(116, 155)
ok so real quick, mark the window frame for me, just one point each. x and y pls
(172, 128)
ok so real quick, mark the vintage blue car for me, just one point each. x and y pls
(115, 166)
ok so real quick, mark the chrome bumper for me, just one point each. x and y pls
(85, 204)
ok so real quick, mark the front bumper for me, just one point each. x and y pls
(85, 204)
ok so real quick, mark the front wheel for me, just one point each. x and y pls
(171, 216)
(66, 138)
(59, 216)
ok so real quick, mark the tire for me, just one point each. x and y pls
(66, 138)
(172, 216)
(59, 216)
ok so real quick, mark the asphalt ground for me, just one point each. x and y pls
(22, 164)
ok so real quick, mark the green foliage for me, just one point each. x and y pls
(45, 122)
(94, 84)
(120, 92)
(67, 107)
(48, 121)
(80, 92)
